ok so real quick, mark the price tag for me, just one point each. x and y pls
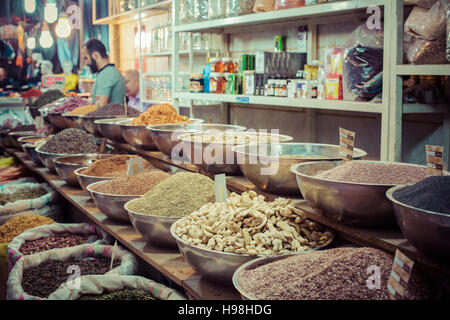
(135, 165)
(125, 104)
(53, 81)
(243, 99)
(400, 275)
(114, 252)
(346, 144)
(102, 146)
(435, 160)
(221, 188)
(39, 123)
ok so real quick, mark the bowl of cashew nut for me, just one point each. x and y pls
(220, 237)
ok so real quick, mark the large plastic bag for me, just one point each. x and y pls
(28, 204)
(288, 4)
(363, 61)
(428, 24)
(422, 3)
(128, 265)
(264, 5)
(53, 211)
(96, 236)
(99, 284)
(421, 51)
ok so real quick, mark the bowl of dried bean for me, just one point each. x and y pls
(66, 166)
(259, 158)
(136, 135)
(220, 237)
(425, 206)
(354, 193)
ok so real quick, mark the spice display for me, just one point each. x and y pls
(46, 98)
(432, 194)
(32, 140)
(83, 110)
(113, 109)
(247, 224)
(159, 114)
(177, 196)
(71, 141)
(64, 240)
(374, 173)
(21, 194)
(137, 184)
(335, 274)
(421, 51)
(45, 278)
(70, 105)
(234, 137)
(17, 225)
(126, 294)
(31, 93)
(112, 167)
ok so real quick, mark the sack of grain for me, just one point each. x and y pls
(44, 272)
(96, 285)
(94, 235)
(427, 24)
(43, 194)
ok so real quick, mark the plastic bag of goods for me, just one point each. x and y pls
(288, 4)
(421, 51)
(363, 61)
(103, 287)
(239, 7)
(71, 234)
(428, 24)
(264, 5)
(18, 197)
(37, 276)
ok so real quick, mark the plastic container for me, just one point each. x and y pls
(196, 83)
(201, 8)
(217, 83)
(288, 4)
(239, 7)
(228, 65)
(217, 9)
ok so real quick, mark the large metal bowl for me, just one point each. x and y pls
(14, 136)
(355, 204)
(57, 120)
(65, 166)
(92, 127)
(85, 180)
(228, 161)
(427, 231)
(166, 136)
(257, 160)
(154, 229)
(213, 265)
(137, 136)
(74, 121)
(29, 140)
(253, 264)
(110, 129)
(31, 150)
(70, 120)
(112, 205)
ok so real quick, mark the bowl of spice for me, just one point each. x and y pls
(106, 169)
(31, 140)
(15, 136)
(214, 153)
(153, 214)
(66, 165)
(258, 159)
(110, 196)
(425, 206)
(220, 237)
(71, 141)
(110, 129)
(334, 274)
(354, 193)
(136, 135)
(166, 136)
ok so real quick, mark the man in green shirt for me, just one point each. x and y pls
(110, 85)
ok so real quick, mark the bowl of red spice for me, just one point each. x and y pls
(354, 193)
(110, 196)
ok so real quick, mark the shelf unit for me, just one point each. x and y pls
(398, 107)
(312, 16)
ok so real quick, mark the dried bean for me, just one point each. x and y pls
(71, 141)
(17, 225)
(57, 241)
(126, 294)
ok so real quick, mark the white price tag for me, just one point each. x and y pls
(221, 188)
(114, 252)
(135, 165)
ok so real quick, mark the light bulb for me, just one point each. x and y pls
(50, 12)
(31, 43)
(46, 40)
(63, 28)
(30, 6)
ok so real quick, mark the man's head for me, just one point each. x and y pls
(94, 55)
(132, 80)
(3, 74)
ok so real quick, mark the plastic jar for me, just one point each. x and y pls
(228, 65)
(217, 9)
(217, 83)
(196, 83)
